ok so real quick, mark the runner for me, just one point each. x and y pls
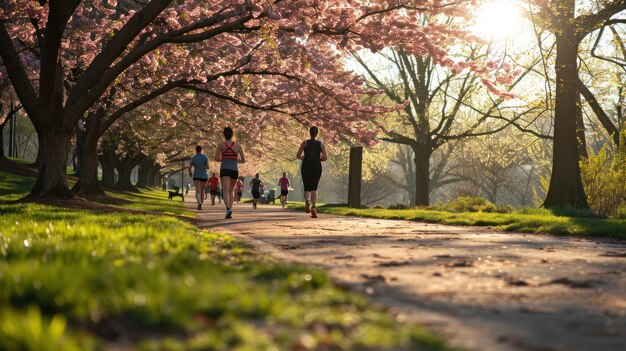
(312, 152)
(283, 183)
(214, 182)
(229, 154)
(200, 164)
(239, 188)
(256, 184)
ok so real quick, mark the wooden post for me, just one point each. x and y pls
(355, 176)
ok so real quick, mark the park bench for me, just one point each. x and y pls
(269, 197)
(175, 192)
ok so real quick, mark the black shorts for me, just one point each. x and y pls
(256, 194)
(214, 192)
(284, 192)
(229, 173)
(201, 179)
(311, 174)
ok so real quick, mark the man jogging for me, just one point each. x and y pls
(214, 182)
(284, 184)
(256, 184)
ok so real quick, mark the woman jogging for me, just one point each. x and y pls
(229, 154)
(256, 184)
(200, 164)
(312, 152)
(239, 189)
(284, 184)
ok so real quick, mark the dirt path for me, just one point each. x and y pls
(481, 289)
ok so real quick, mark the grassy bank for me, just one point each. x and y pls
(89, 280)
(526, 221)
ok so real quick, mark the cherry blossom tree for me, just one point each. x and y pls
(78, 51)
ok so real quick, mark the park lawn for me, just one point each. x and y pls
(524, 221)
(96, 280)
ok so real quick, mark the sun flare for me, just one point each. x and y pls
(497, 19)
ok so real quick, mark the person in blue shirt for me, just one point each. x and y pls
(200, 164)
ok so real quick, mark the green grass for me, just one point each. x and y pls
(525, 221)
(85, 280)
(20, 161)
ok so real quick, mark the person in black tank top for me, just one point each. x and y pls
(312, 152)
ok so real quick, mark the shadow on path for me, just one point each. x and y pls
(482, 289)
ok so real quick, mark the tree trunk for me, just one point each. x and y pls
(52, 170)
(87, 150)
(124, 170)
(123, 181)
(158, 177)
(580, 130)
(144, 172)
(566, 187)
(422, 177)
(2, 156)
(154, 176)
(107, 161)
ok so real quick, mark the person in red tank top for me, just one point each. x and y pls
(229, 154)
(214, 182)
(239, 189)
(284, 184)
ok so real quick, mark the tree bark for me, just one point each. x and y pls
(87, 183)
(566, 187)
(123, 183)
(422, 176)
(107, 161)
(144, 172)
(158, 177)
(155, 176)
(580, 130)
(124, 169)
(52, 174)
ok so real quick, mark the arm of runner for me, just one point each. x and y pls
(323, 155)
(300, 151)
(189, 169)
(242, 156)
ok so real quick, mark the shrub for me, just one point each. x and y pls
(604, 178)
(469, 204)
(398, 207)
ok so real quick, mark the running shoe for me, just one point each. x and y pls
(199, 206)
(229, 213)
(313, 213)
(307, 207)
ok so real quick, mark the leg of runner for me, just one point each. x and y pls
(226, 194)
(231, 194)
(313, 202)
(202, 192)
(307, 201)
(198, 193)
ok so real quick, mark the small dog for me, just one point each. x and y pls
(172, 194)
